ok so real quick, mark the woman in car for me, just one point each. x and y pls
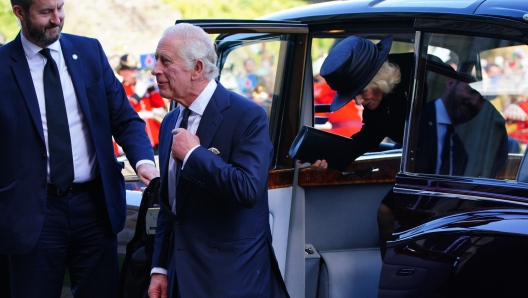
(363, 71)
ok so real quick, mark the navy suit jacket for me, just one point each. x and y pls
(23, 157)
(218, 244)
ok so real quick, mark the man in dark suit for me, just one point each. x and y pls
(62, 211)
(213, 237)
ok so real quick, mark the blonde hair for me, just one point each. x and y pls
(386, 79)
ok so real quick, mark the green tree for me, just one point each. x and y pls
(8, 25)
(222, 9)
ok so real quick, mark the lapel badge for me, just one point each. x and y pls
(74, 56)
(214, 150)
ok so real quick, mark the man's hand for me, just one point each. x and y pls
(319, 165)
(158, 286)
(147, 172)
(182, 142)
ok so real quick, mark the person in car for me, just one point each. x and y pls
(363, 71)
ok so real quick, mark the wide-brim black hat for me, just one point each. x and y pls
(351, 65)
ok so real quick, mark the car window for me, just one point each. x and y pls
(465, 127)
(250, 70)
(266, 68)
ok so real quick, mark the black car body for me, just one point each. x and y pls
(460, 235)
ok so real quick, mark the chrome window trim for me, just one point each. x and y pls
(417, 192)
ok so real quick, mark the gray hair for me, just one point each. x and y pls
(197, 45)
(386, 79)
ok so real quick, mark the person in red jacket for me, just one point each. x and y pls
(142, 95)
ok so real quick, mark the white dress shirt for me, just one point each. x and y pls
(442, 121)
(83, 152)
(84, 165)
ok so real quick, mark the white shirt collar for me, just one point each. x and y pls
(31, 49)
(198, 106)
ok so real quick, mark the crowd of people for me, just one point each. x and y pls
(506, 88)
(255, 82)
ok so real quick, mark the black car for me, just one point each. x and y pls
(462, 234)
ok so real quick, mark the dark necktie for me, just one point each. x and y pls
(454, 156)
(446, 151)
(59, 142)
(183, 124)
(185, 118)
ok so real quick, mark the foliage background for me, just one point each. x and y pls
(134, 26)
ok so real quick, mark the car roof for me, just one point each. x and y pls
(337, 10)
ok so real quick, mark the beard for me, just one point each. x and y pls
(39, 35)
(461, 110)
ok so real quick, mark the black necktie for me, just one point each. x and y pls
(454, 155)
(59, 142)
(183, 124)
(185, 118)
(445, 168)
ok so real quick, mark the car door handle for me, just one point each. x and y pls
(405, 272)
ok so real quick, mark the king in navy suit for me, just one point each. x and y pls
(213, 236)
(47, 229)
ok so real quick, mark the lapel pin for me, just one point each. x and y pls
(75, 57)
(214, 150)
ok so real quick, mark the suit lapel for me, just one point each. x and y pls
(24, 80)
(209, 125)
(73, 59)
(212, 117)
(165, 136)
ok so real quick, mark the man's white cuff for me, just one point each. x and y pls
(188, 154)
(144, 161)
(158, 270)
